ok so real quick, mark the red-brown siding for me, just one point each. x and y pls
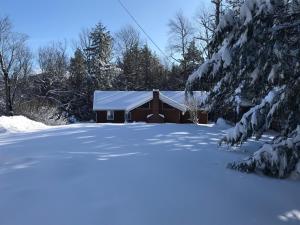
(140, 115)
(172, 115)
(154, 108)
(202, 117)
(119, 117)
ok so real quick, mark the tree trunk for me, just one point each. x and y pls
(217, 10)
(8, 102)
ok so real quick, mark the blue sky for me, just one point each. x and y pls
(53, 20)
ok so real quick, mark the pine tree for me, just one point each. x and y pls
(147, 67)
(193, 57)
(101, 46)
(131, 68)
(256, 64)
(78, 71)
(152, 69)
(99, 55)
(80, 87)
(235, 5)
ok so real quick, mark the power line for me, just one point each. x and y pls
(142, 29)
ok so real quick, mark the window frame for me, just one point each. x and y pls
(128, 116)
(110, 113)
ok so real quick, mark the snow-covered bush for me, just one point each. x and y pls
(221, 123)
(42, 111)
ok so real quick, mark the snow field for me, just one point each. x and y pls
(138, 174)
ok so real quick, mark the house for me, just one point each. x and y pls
(144, 106)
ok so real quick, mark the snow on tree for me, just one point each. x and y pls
(255, 60)
(98, 51)
(15, 62)
(81, 88)
(278, 159)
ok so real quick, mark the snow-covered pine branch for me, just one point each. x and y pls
(279, 159)
(253, 74)
(256, 121)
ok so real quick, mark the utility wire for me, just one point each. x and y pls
(143, 30)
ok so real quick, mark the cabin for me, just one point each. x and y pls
(144, 106)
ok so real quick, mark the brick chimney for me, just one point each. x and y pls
(155, 108)
(155, 118)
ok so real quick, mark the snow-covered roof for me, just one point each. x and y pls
(120, 100)
(128, 100)
(174, 98)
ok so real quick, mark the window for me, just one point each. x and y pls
(110, 115)
(128, 116)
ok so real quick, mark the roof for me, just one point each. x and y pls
(128, 100)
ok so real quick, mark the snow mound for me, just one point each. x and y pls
(19, 124)
(221, 123)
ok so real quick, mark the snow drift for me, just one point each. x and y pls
(19, 124)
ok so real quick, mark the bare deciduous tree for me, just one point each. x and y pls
(126, 39)
(85, 41)
(15, 61)
(206, 29)
(193, 108)
(181, 34)
(53, 60)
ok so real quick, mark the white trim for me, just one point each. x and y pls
(162, 116)
(148, 116)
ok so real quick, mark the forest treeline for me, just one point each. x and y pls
(54, 85)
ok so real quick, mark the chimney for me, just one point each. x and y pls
(155, 107)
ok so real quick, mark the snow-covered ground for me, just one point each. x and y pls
(137, 174)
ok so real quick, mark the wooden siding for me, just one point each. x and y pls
(172, 115)
(202, 117)
(119, 117)
(139, 114)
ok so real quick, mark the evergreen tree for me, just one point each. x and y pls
(101, 46)
(142, 70)
(152, 69)
(147, 64)
(131, 69)
(78, 71)
(193, 57)
(256, 64)
(80, 87)
(234, 5)
(99, 54)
